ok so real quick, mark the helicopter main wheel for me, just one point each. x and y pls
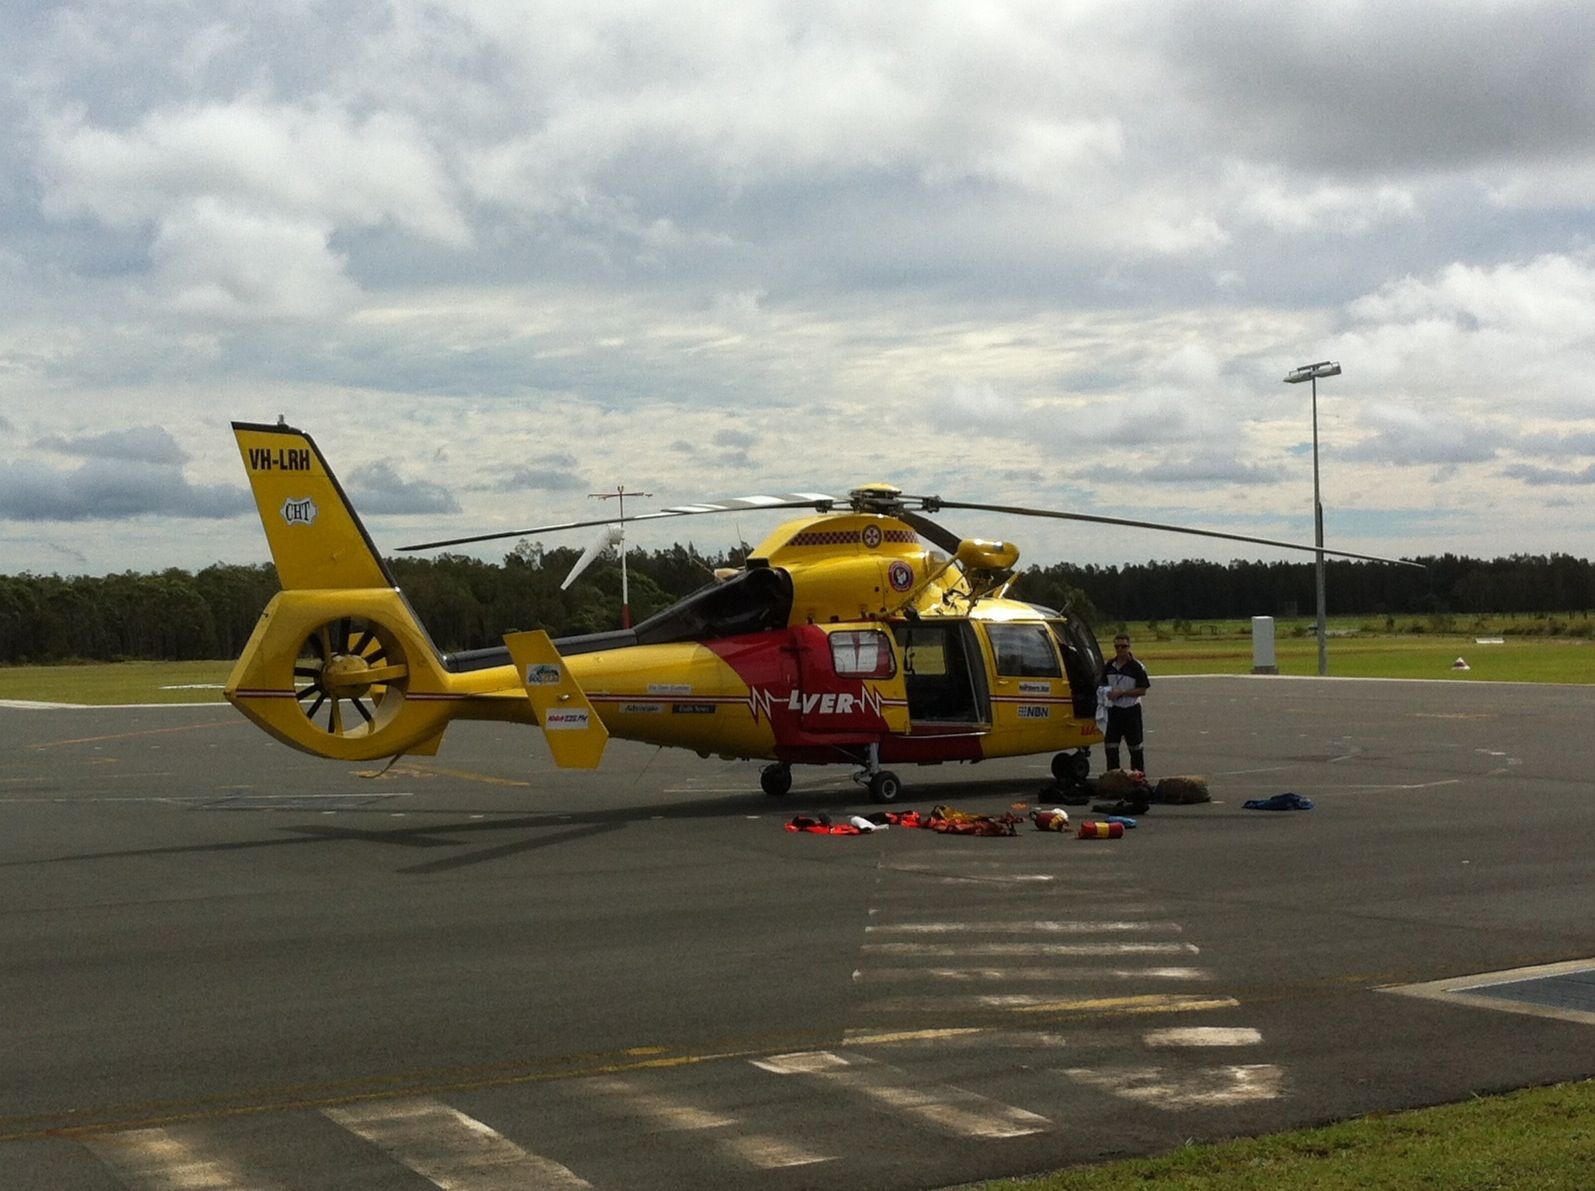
(348, 673)
(776, 780)
(885, 786)
(1072, 769)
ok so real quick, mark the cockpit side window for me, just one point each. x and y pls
(1023, 651)
(862, 653)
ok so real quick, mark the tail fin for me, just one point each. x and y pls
(316, 539)
(575, 734)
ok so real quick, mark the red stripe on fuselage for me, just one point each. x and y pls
(772, 665)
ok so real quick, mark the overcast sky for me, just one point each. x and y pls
(495, 256)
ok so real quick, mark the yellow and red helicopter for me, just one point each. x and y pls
(860, 633)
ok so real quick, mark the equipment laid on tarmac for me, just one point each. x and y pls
(1182, 791)
(1288, 801)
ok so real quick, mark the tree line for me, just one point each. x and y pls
(467, 603)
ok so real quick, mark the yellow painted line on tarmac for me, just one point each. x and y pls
(50, 744)
(1151, 1003)
(463, 774)
(883, 1038)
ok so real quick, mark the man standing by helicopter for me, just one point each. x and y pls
(1124, 682)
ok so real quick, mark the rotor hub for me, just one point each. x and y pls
(344, 677)
(886, 499)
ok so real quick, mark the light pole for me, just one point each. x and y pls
(1312, 372)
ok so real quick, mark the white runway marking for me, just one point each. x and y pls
(1036, 1003)
(1021, 928)
(1099, 949)
(454, 1151)
(1203, 1036)
(953, 1110)
(994, 975)
(755, 1149)
(166, 1160)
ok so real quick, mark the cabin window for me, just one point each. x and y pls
(862, 653)
(1023, 651)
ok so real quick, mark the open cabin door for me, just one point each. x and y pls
(943, 675)
(1082, 662)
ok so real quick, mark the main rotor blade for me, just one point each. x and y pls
(740, 504)
(933, 533)
(1021, 511)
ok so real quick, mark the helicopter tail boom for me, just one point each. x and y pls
(339, 665)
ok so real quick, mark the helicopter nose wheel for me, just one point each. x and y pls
(884, 786)
(776, 780)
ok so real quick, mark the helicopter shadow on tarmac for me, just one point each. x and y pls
(449, 830)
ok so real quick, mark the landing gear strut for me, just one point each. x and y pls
(776, 780)
(884, 785)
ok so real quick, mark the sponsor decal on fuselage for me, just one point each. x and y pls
(641, 708)
(1035, 688)
(1035, 713)
(566, 719)
(670, 688)
(281, 459)
(299, 511)
(692, 708)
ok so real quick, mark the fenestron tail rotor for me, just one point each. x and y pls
(350, 677)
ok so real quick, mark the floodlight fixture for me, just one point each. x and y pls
(1312, 372)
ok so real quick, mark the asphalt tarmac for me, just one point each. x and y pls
(226, 964)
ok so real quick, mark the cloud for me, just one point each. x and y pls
(1208, 469)
(138, 444)
(377, 489)
(237, 203)
(1363, 87)
(972, 249)
(1401, 436)
(299, 162)
(547, 473)
(111, 489)
(1542, 476)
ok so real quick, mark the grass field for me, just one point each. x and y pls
(1519, 659)
(1540, 1139)
(116, 682)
